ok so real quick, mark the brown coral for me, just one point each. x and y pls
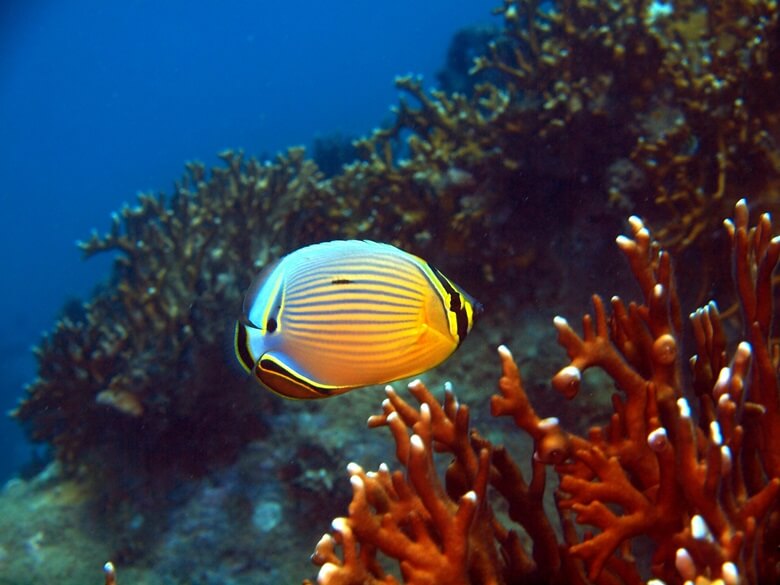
(142, 375)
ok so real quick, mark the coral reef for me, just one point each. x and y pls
(703, 489)
(709, 135)
(578, 111)
(146, 365)
(580, 100)
(688, 79)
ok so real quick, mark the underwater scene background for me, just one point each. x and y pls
(115, 98)
(508, 145)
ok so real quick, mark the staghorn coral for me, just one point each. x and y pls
(688, 79)
(141, 378)
(705, 489)
(711, 134)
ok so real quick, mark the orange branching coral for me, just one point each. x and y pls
(435, 536)
(703, 488)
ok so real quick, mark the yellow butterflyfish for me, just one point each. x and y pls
(340, 315)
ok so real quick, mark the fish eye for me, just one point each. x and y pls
(270, 326)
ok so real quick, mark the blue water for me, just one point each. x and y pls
(100, 100)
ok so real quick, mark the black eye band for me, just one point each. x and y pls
(242, 347)
(456, 304)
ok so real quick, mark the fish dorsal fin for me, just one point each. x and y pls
(285, 377)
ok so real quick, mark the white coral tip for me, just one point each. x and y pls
(684, 408)
(722, 383)
(730, 573)
(684, 563)
(656, 439)
(571, 372)
(699, 528)
(636, 222)
(327, 573)
(326, 540)
(725, 460)
(715, 434)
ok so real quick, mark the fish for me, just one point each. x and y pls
(345, 314)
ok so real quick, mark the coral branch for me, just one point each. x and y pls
(434, 537)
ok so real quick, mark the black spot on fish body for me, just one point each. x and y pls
(341, 281)
(271, 325)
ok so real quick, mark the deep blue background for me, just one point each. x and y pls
(100, 100)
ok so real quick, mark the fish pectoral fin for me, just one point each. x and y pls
(284, 377)
(434, 341)
(428, 336)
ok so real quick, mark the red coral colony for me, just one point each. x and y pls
(701, 488)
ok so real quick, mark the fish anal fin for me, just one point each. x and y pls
(284, 378)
